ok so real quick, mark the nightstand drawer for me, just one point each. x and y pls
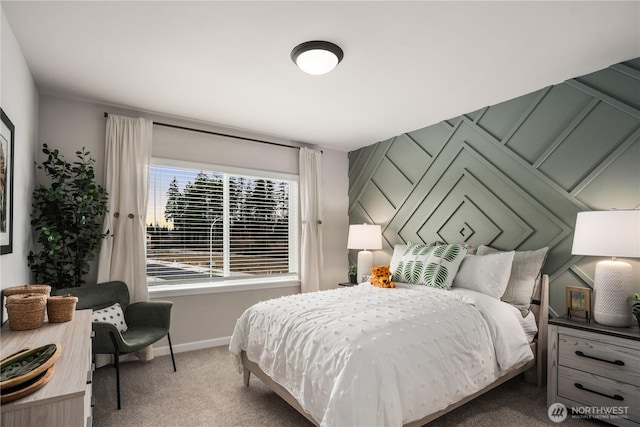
(593, 390)
(603, 359)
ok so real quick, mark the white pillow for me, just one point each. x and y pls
(525, 273)
(488, 274)
(112, 314)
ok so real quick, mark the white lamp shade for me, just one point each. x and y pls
(607, 233)
(364, 236)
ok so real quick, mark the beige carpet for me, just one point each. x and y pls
(208, 391)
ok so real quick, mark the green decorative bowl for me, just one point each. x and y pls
(27, 364)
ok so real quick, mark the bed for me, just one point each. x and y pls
(366, 356)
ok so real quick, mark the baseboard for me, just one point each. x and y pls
(190, 346)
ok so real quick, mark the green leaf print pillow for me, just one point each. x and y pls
(408, 262)
(442, 265)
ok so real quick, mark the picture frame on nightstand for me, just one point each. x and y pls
(578, 302)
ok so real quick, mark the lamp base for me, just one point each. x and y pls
(612, 287)
(365, 263)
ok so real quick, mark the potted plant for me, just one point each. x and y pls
(635, 306)
(353, 274)
(66, 216)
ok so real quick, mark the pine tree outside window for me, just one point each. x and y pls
(215, 224)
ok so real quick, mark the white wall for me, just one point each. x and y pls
(19, 100)
(201, 320)
(335, 186)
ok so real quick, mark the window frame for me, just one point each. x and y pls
(204, 286)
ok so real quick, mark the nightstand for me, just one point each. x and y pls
(347, 284)
(595, 370)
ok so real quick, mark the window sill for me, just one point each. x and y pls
(160, 291)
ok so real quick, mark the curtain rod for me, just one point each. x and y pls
(219, 134)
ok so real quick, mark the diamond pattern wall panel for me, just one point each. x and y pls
(513, 175)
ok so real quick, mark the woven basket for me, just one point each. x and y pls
(27, 289)
(61, 308)
(26, 311)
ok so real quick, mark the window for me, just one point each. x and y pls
(208, 223)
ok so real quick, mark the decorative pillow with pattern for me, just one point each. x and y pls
(398, 251)
(408, 262)
(442, 266)
(112, 314)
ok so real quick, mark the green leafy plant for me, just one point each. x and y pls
(353, 269)
(635, 304)
(67, 219)
(353, 274)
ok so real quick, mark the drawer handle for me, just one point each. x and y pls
(615, 362)
(614, 397)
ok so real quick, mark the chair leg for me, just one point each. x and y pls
(116, 356)
(171, 350)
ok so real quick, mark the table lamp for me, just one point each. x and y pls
(364, 236)
(613, 233)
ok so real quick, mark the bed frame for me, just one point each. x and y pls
(535, 371)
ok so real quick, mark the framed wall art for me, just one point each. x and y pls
(6, 184)
(578, 302)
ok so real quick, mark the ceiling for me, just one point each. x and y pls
(406, 65)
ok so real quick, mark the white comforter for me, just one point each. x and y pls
(365, 356)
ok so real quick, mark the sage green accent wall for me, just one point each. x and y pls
(513, 175)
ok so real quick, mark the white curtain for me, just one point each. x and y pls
(312, 264)
(123, 253)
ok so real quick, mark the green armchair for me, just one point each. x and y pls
(147, 322)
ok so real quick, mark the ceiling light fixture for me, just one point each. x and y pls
(317, 57)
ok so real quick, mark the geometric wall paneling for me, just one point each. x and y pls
(551, 115)
(461, 220)
(456, 120)
(619, 82)
(393, 184)
(375, 204)
(359, 216)
(616, 181)
(362, 165)
(475, 116)
(601, 96)
(460, 201)
(597, 135)
(431, 138)
(513, 175)
(467, 173)
(499, 119)
(409, 157)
